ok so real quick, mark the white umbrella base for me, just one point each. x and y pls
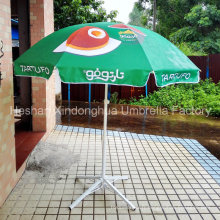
(102, 183)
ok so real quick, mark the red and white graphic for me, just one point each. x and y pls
(124, 26)
(88, 41)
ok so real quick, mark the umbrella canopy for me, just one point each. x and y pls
(109, 53)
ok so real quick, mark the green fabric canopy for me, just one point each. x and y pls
(109, 53)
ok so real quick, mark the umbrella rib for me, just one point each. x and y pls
(152, 70)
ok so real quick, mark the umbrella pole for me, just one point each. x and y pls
(103, 181)
(104, 140)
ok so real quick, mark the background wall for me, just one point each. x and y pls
(43, 91)
(8, 174)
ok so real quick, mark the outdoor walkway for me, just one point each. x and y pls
(170, 178)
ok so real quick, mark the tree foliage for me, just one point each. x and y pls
(70, 12)
(135, 16)
(192, 22)
(140, 17)
(203, 30)
(170, 14)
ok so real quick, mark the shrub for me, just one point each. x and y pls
(114, 98)
(204, 95)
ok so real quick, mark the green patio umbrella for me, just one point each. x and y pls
(107, 53)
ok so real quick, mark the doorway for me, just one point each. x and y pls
(25, 139)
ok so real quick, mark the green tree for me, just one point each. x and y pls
(170, 14)
(70, 12)
(192, 24)
(140, 17)
(135, 17)
(202, 31)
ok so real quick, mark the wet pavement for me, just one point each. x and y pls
(169, 178)
(206, 130)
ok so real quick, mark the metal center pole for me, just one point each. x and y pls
(104, 137)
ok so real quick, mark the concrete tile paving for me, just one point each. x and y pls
(169, 178)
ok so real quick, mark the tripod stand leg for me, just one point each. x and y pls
(120, 194)
(92, 189)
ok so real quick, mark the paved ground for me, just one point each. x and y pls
(170, 178)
